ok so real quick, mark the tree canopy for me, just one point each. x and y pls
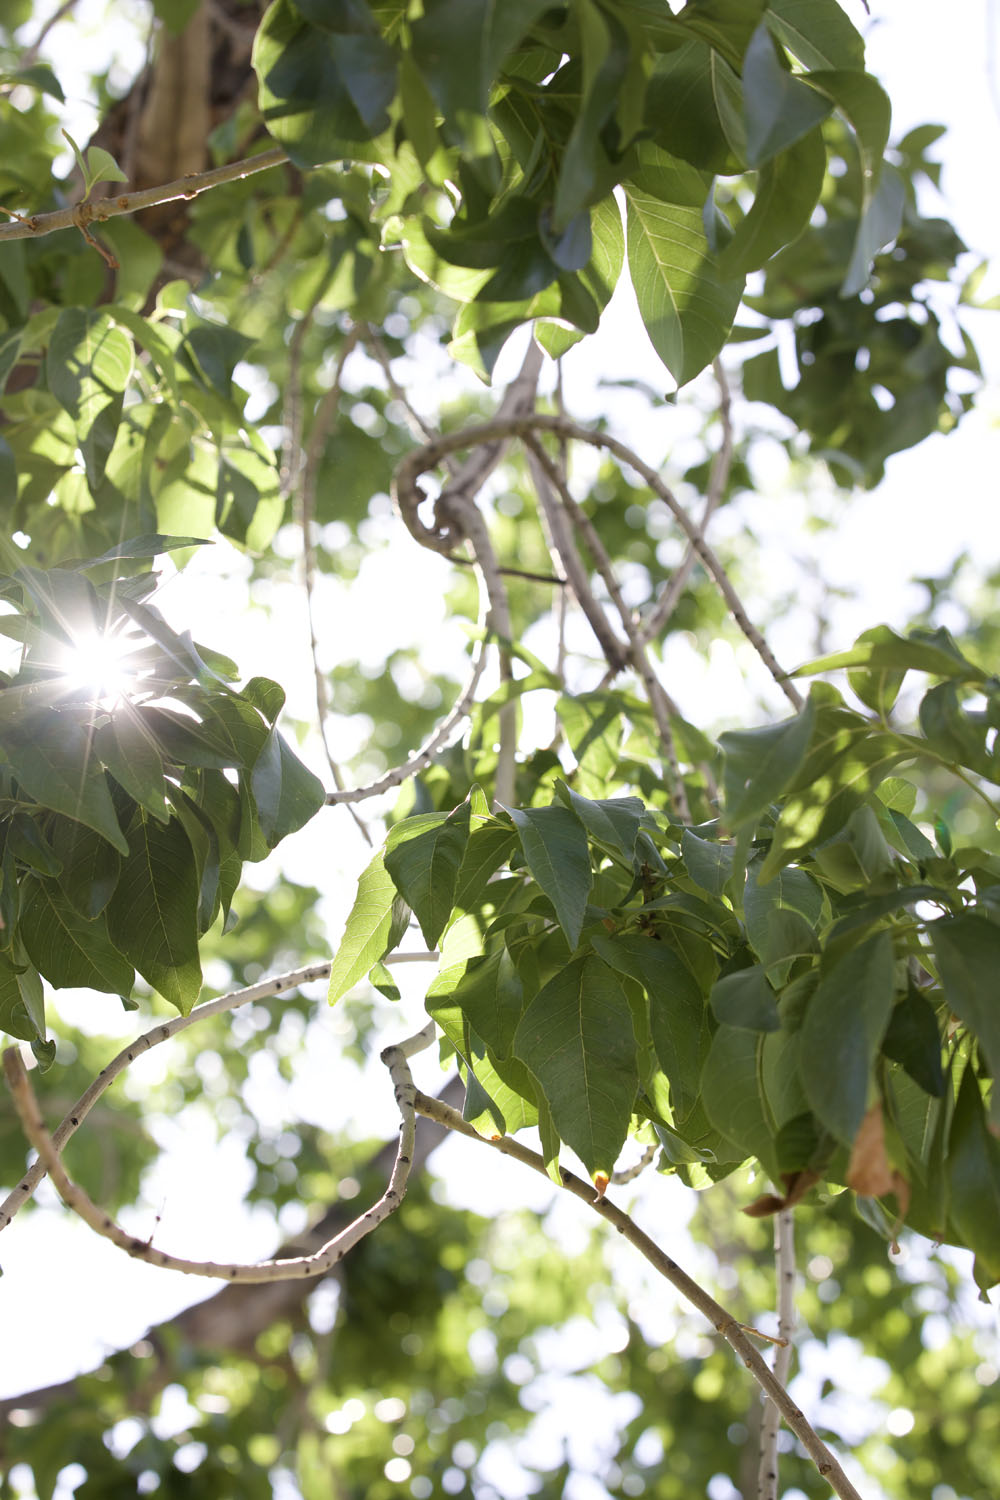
(753, 950)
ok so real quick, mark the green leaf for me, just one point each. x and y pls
(685, 307)
(424, 856)
(709, 864)
(102, 167)
(286, 792)
(913, 1039)
(488, 847)
(88, 365)
(787, 192)
(779, 108)
(731, 1094)
(760, 764)
(38, 76)
(677, 1018)
(490, 995)
(576, 1037)
(844, 1024)
(56, 765)
(66, 948)
(555, 849)
(153, 914)
(746, 999)
(973, 1175)
(612, 822)
(781, 918)
(89, 866)
(865, 104)
(368, 935)
(130, 753)
(880, 224)
(931, 651)
(817, 32)
(967, 950)
(322, 94)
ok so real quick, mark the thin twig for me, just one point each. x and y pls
(629, 1174)
(130, 203)
(264, 989)
(31, 54)
(421, 430)
(303, 480)
(718, 480)
(442, 536)
(395, 1059)
(723, 1323)
(784, 1261)
(425, 755)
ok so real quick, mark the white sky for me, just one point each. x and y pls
(937, 63)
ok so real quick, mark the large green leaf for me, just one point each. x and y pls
(88, 365)
(731, 1093)
(374, 926)
(555, 849)
(130, 753)
(286, 791)
(746, 1000)
(424, 857)
(322, 94)
(153, 914)
(57, 766)
(612, 822)
(780, 109)
(490, 995)
(787, 192)
(686, 308)
(817, 32)
(66, 948)
(760, 764)
(973, 1176)
(967, 950)
(677, 1020)
(882, 648)
(844, 1024)
(576, 1037)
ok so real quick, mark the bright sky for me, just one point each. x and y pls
(938, 64)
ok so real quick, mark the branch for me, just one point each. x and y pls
(784, 1257)
(305, 492)
(723, 1323)
(395, 1059)
(83, 214)
(717, 481)
(422, 757)
(263, 990)
(233, 1317)
(660, 702)
(442, 536)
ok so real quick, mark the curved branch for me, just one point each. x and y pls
(262, 990)
(324, 1259)
(82, 215)
(422, 757)
(722, 1322)
(442, 535)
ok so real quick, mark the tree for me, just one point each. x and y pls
(735, 942)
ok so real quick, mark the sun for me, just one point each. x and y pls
(99, 666)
